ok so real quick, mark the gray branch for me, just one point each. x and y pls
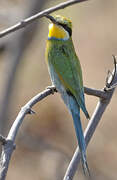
(8, 143)
(41, 14)
(8, 146)
(105, 97)
(95, 92)
(94, 121)
(15, 47)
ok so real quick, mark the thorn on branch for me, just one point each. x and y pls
(31, 111)
(23, 23)
(27, 110)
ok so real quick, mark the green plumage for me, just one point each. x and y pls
(62, 56)
(66, 74)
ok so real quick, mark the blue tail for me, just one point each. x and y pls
(75, 111)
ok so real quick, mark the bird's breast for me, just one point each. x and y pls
(55, 79)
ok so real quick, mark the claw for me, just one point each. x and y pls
(52, 88)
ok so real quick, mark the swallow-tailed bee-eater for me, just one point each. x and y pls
(66, 74)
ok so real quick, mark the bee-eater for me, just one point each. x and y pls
(66, 74)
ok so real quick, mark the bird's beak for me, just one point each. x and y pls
(51, 18)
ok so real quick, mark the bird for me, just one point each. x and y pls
(66, 75)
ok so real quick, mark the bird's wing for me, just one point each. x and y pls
(68, 68)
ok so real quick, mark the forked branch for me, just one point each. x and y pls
(8, 143)
(104, 95)
(94, 121)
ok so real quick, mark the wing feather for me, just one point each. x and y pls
(68, 68)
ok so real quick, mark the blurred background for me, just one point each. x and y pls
(46, 140)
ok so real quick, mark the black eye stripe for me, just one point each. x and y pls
(69, 30)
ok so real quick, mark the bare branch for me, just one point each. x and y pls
(95, 119)
(15, 48)
(104, 95)
(89, 91)
(95, 92)
(26, 110)
(8, 147)
(29, 20)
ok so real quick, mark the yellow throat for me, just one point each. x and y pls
(57, 32)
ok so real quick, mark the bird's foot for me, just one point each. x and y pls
(52, 88)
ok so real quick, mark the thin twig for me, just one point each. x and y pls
(26, 110)
(15, 48)
(94, 121)
(29, 20)
(8, 147)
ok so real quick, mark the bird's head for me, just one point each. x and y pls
(60, 27)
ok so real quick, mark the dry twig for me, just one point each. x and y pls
(15, 48)
(94, 121)
(29, 20)
(104, 95)
(8, 146)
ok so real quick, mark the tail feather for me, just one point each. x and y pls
(75, 111)
(81, 141)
